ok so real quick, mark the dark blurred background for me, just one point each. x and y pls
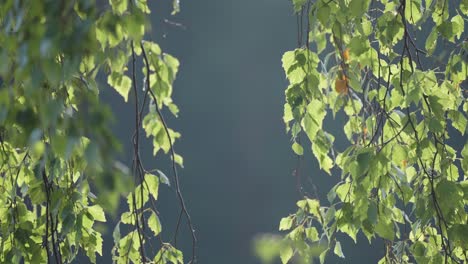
(238, 177)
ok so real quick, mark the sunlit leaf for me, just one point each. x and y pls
(154, 224)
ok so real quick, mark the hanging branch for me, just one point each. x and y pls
(136, 164)
(174, 165)
(409, 121)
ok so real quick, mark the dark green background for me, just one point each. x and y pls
(238, 178)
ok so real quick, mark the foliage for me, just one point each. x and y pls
(55, 139)
(403, 177)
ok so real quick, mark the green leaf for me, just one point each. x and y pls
(154, 224)
(267, 247)
(312, 121)
(116, 233)
(458, 234)
(288, 115)
(286, 223)
(129, 245)
(452, 29)
(464, 187)
(350, 230)
(459, 121)
(338, 250)
(384, 228)
(464, 6)
(127, 218)
(324, 14)
(358, 7)
(413, 12)
(313, 206)
(98, 243)
(366, 27)
(97, 212)
(459, 25)
(343, 190)
(312, 234)
(179, 160)
(372, 212)
(177, 256)
(431, 41)
(141, 197)
(119, 6)
(363, 160)
(120, 83)
(152, 47)
(391, 28)
(286, 254)
(359, 45)
(436, 125)
(418, 249)
(36, 191)
(298, 4)
(321, 145)
(143, 6)
(288, 60)
(325, 162)
(449, 195)
(152, 182)
(297, 233)
(323, 255)
(175, 7)
(69, 219)
(163, 178)
(297, 148)
(135, 28)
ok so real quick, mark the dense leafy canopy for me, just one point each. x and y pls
(396, 70)
(55, 139)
